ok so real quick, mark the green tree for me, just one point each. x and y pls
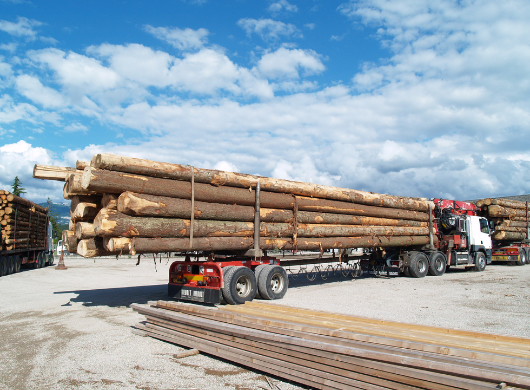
(54, 215)
(18, 190)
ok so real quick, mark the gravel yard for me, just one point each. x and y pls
(72, 329)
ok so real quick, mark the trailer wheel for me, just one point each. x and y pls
(480, 262)
(10, 265)
(239, 285)
(18, 263)
(419, 265)
(257, 272)
(527, 255)
(437, 263)
(522, 257)
(50, 259)
(3, 265)
(273, 282)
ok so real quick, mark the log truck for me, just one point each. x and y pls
(458, 237)
(31, 244)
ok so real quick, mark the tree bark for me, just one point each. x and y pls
(222, 178)
(215, 244)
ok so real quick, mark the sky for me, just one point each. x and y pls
(416, 98)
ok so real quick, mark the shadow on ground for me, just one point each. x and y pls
(120, 296)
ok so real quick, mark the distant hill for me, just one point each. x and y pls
(63, 209)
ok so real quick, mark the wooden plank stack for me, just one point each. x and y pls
(23, 223)
(129, 205)
(510, 218)
(333, 351)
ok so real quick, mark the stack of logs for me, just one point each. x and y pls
(128, 205)
(333, 351)
(510, 218)
(22, 222)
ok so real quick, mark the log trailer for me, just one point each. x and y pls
(514, 251)
(31, 245)
(458, 237)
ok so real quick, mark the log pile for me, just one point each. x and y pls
(331, 351)
(510, 218)
(129, 205)
(23, 224)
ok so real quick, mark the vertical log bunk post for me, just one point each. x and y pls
(256, 251)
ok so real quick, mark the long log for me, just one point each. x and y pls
(111, 223)
(163, 206)
(10, 241)
(500, 211)
(48, 172)
(507, 222)
(513, 204)
(223, 178)
(93, 199)
(73, 187)
(85, 211)
(510, 229)
(215, 244)
(508, 236)
(92, 247)
(117, 244)
(17, 199)
(84, 230)
(117, 182)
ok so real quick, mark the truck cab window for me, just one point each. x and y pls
(484, 228)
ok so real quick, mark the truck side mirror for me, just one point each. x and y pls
(491, 225)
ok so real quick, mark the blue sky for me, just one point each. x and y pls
(415, 98)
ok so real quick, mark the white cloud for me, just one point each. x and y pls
(285, 63)
(268, 29)
(76, 127)
(24, 27)
(18, 159)
(282, 5)
(186, 39)
(32, 88)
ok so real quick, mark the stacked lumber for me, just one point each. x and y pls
(23, 223)
(129, 205)
(510, 218)
(333, 351)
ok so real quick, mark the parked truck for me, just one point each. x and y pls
(26, 235)
(511, 227)
(458, 237)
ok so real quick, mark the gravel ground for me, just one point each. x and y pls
(72, 329)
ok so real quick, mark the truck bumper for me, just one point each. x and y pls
(195, 294)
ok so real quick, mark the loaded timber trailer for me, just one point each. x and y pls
(26, 235)
(458, 237)
(511, 225)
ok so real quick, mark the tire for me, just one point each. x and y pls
(239, 285)
(419, 265)
(50, 259)
(523, 258)
(480, 262)
(273, 282)
(437, 263)
(3, 265)
(10, 265)
(257, 272)
(18, 263)
(527, 255)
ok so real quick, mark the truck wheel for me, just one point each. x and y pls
(522, 257)
(527, 255)
(437, 263)
(273, 282)
(480, 262)
(239, 285)
(257, 272)
(3, 265)
(419, 265)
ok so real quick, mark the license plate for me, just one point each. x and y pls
(191, 294)
(499, 258)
